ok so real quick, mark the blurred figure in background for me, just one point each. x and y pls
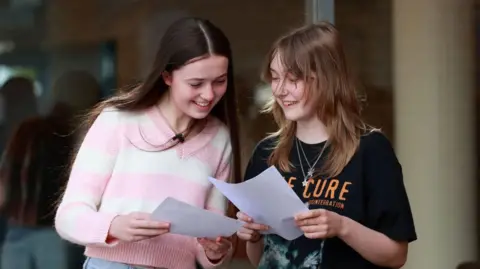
(29, 187)
(77, 90)
(19, 102)
(33, 173)
(75, 93)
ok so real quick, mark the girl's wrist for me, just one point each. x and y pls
(344, 227)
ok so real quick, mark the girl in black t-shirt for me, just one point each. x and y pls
(345, 171)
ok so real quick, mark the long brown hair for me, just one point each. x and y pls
(184, 40)
(316, 50)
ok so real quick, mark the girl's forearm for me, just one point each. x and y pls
(255, 252)
(374, 246)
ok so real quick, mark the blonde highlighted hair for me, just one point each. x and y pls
(314, 53)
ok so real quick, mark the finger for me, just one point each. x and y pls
(248, 219)
(256, 226)
(219, 241)
(314, 229)
(244, 236)
(317, 235)
(244, 217)
(215, 241)
(310, 214)
(148, 232)
(208, 244)
(204, 239)
(150, 224)
(222, 241)
(244, 230)
(220, 246)
(311, 221)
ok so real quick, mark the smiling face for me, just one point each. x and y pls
(290, 92)
(197, 87)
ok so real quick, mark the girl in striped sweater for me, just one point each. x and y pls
(161, 138)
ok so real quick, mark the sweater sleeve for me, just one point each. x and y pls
(217, 202)
(77, 218)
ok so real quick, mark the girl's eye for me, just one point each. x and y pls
(196, 85)
(293, 80)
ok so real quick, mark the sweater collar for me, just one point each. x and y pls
(151, 132)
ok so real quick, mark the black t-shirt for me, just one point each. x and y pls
(369, 190)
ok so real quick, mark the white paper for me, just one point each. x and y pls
(186, 219)
(268, 199)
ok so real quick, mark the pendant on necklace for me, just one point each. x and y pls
(308, 176)
(310, 173)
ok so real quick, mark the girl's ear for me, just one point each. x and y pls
(167, 77)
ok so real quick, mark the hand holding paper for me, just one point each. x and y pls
(268, 199)
(215, 249)
(186, 219)
(250, 230)
(136, 226)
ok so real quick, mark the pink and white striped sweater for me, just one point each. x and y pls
(119, 169)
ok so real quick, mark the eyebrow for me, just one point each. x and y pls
(201, 79)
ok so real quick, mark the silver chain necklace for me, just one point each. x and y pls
(309, 174)
(311, 168)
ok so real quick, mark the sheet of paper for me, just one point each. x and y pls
(268, 199)
(186, 219)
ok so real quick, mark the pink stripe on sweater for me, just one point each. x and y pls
(156, 188)
(85, 182)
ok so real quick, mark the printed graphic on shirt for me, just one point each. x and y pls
(326, 193)
(280, 253)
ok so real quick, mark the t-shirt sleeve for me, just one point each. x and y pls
(388, 207)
